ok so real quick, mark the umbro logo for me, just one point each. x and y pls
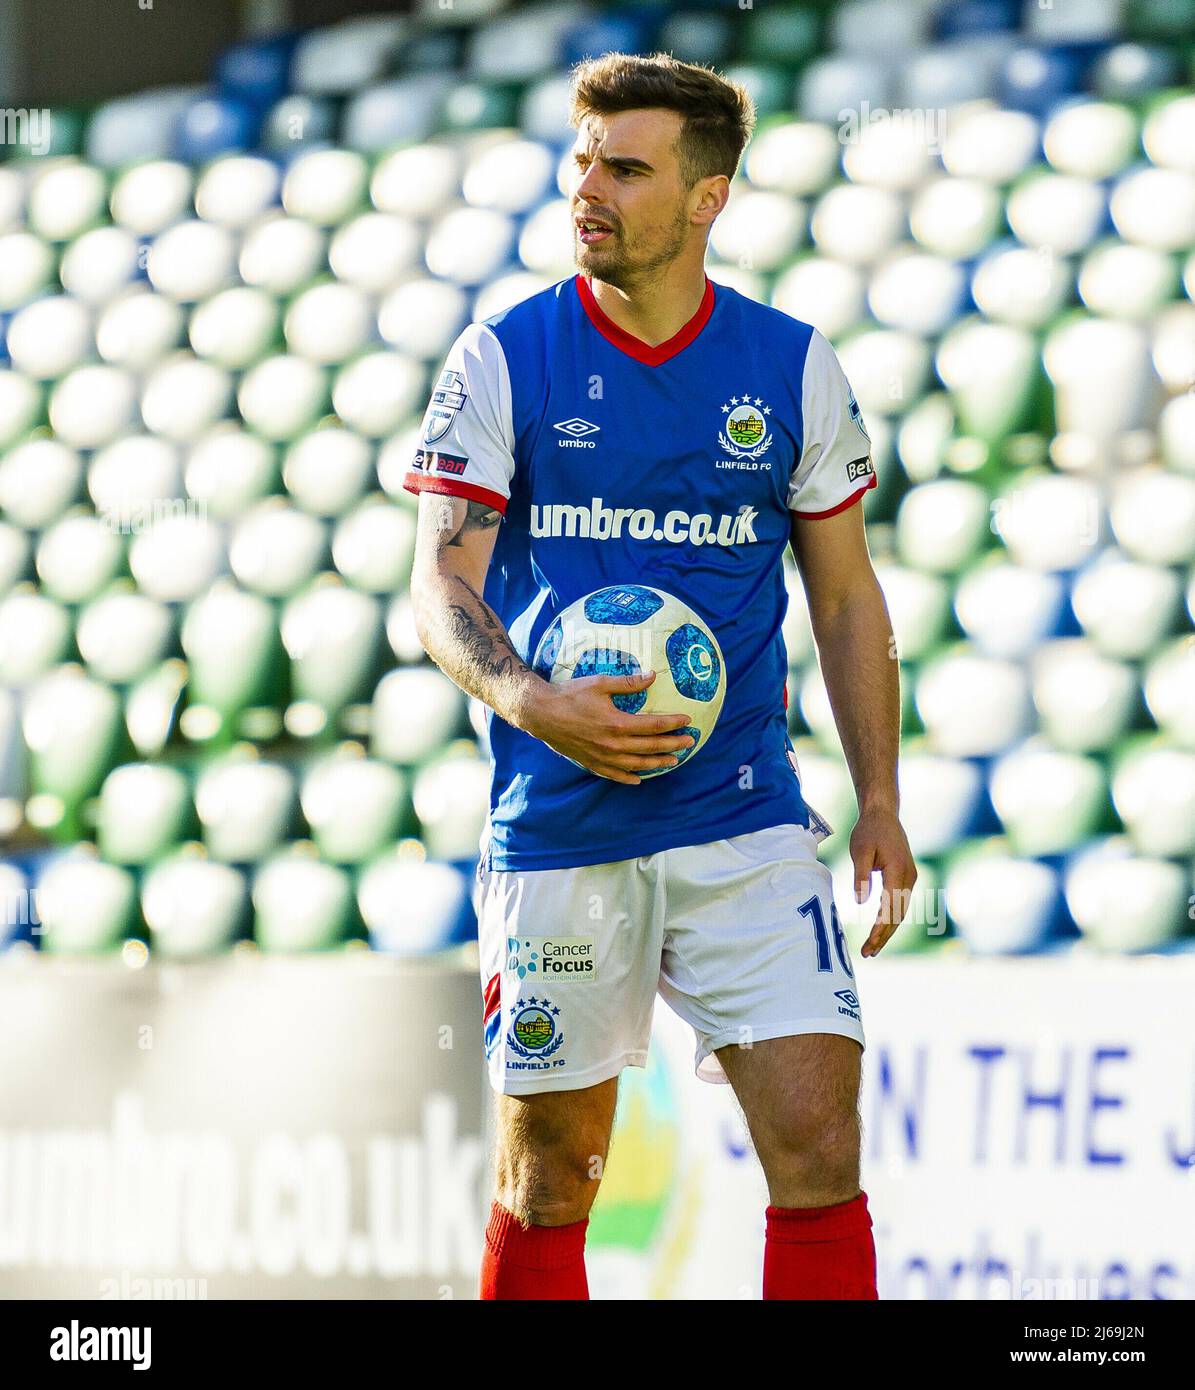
(576, 429)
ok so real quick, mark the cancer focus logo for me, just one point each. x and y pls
(533, 1032)
(745, 431)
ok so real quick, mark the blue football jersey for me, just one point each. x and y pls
(678, 466)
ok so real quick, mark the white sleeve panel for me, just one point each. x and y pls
(835, 464)
(467, 444)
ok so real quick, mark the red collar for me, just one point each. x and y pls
(636, 347)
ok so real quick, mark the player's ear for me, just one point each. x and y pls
(709, 198)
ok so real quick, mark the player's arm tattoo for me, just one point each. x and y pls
(460, 631)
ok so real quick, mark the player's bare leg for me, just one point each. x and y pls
(800, 1096)
(549, 1156)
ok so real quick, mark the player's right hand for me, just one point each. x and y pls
(580, 721)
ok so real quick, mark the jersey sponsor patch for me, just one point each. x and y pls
(861, 468)
(428, 461)
(557, 958)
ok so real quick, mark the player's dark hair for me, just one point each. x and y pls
(719, 115)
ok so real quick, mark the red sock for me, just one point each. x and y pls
(820, 1252)
(532, 1262)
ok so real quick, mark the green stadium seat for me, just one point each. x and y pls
(144, 811)
(333, 636)
(300, 904)
(989, 144)
(328, 323)
(77, 557)
(92, 406)
(373, 546)
(451, 795)
(86, 907)
(73, 729)
(401, 632)
(1125, 901)
(999, 904)
(192, 260)
(939, 797)
(1048, 801)
(759, 230)
(1023, 287)
(130, 478)
(27, 265)
(149, 197)
(279, 254)
(65, 199)
(411, 907)
(282, 397)
(275, 549)
(20, 407)
(235, 328)
(1169, 688)
(942, 526)
(511, 176)
(230, 640)
(919, 606)
(992, 371)
(1085, 700)
(177, 558)
(971, 705)
(39, 480)
(415, 712)
(192, 907)
(137, 329)
(1152, 512)
(35, 634)
(325, 187)
(100, 264)
(829, 294)
(328, 470)
(1091, 139)
(354, 805)
(1155, 207)
(1125, 606)
(228, 470)
(49, 337)
(916, 292)
(857, 224)
(235, 190)
(419, 181)
(378, 392)
(421, 317)
(246, 807)
(123, 635)
(468, 246)
(375, 251)
(956, 217)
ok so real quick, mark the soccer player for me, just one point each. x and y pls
(636, 423)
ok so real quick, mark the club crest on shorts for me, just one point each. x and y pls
(533, 1032)
(745, 432)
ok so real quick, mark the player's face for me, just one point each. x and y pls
(631, 210)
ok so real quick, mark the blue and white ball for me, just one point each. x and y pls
(628, 628)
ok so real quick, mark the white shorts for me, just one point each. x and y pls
(739, 936)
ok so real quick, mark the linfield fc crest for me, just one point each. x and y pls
(745, 433)
(533, 1031)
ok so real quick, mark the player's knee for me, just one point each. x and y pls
(549, 1187)
(822, 1140)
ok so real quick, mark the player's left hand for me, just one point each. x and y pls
(878, 842)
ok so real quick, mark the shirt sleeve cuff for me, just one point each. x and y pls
(841, 507)
(420, 482)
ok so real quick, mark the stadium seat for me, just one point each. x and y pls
(355, 806)
(999, 904)
(332, 635)
(86, 907)
(451, 797)
(192, 907)
(246, 807)
(415, 712)
(300, 904)
(123, 635)
(412, 907)
(144, 811)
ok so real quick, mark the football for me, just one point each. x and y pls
(627, 628)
